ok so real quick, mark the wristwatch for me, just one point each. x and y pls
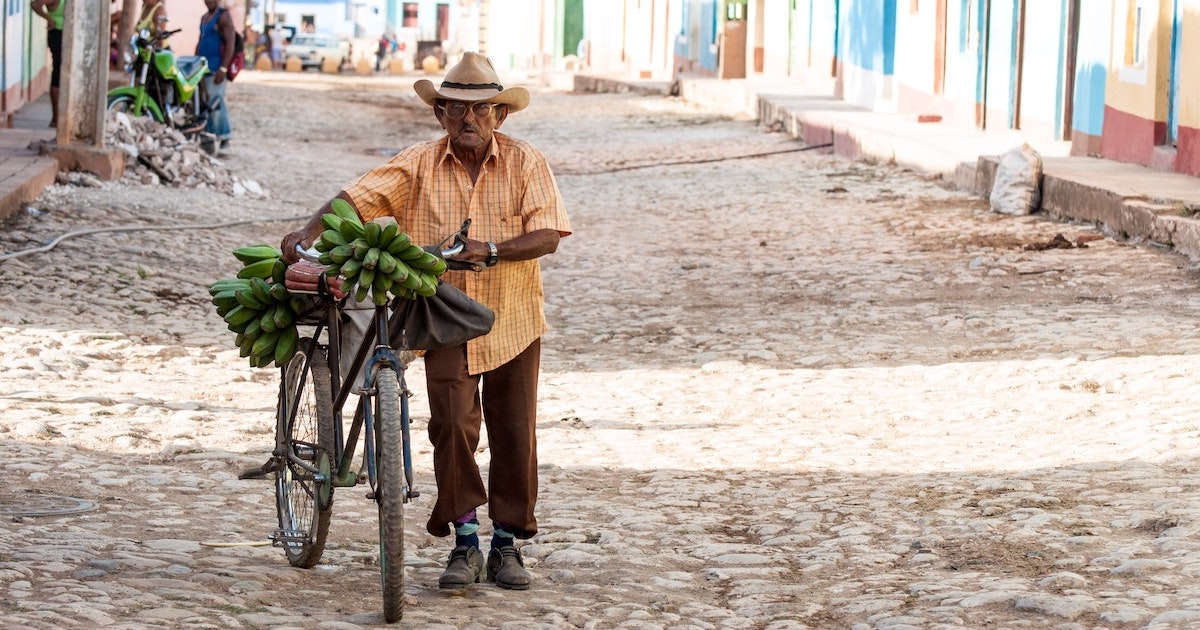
(493, 255)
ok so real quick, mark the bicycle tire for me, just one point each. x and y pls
(390, 492)
(304, 506)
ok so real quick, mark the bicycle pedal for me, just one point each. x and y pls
(258, 472)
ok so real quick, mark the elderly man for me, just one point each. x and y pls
(506, 188)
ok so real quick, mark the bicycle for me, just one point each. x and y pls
(314, 454)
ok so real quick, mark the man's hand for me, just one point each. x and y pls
(288, 245)
(305, 236)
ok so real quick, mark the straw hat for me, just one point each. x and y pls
(474, 80)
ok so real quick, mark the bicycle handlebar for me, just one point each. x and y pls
(460, 243)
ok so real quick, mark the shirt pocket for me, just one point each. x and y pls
(502, 218)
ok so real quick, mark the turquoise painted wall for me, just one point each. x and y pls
(699, 32)
(868, 34)
(708, 34)
(1091, 67)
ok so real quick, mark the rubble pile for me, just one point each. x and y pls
(157, 154)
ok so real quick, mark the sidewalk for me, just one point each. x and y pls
(24, 173)
(1129, 200)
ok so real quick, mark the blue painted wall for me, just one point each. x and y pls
(699, 32)
(708, 33)
(868, 35)
(1091, 69)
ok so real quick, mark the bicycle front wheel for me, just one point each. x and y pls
(304, 500)
(390, 491)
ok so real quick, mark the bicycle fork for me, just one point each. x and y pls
(384, 355)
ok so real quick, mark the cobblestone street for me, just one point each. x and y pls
(782, 390)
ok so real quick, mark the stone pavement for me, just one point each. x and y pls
(1128, 200)
(787, 393)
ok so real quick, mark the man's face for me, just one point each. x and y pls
(470, 125)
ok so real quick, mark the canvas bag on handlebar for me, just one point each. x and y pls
(446, 319)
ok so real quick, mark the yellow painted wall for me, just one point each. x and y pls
(1140, 89)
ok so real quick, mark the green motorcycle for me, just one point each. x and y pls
(167, 88)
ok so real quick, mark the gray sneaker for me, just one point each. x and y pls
(506, 568)
(464, 568)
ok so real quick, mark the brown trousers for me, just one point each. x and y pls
(509, 411)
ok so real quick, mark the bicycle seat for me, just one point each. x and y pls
(191, 65)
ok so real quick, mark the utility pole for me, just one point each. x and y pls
(85, 78)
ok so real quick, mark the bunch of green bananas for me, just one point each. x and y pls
(258, 307)
(374, 259)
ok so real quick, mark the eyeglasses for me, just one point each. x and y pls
(458, 109)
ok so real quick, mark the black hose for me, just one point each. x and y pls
(207, 226)
(702, 161)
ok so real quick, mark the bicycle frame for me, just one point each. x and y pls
(376, 344)
(314, 451)
(337, 471)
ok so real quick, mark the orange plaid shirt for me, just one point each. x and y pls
(429, 193)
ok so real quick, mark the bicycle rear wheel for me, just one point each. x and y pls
(303, 501)
(390, 491)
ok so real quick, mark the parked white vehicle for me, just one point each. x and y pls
(313, 49)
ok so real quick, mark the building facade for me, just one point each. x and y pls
(1119, 79)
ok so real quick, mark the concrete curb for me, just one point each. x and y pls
(23, 180)
(600, 84)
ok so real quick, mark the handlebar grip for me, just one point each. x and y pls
(311, 255)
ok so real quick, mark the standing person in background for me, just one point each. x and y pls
(277, 44)
(52, 12)
(153, 18)
(385, 46)
(264, 45)
(217, 36)
(114, 44)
